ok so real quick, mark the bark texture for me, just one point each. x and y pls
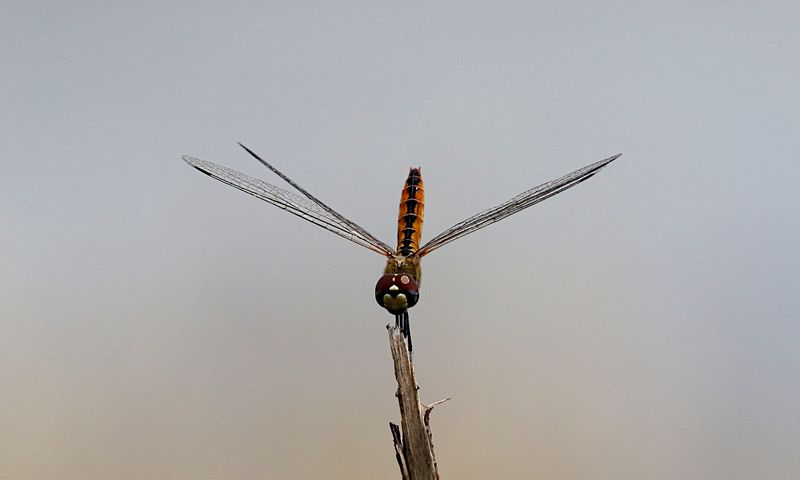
(414, 448)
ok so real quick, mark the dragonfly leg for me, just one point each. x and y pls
(407, 331)
(401, 322)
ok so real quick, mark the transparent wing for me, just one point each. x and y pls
(514, 205)
(353, 225)
(292, 203)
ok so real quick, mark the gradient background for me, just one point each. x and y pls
(155, 324)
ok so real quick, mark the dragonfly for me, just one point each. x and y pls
(397, 290)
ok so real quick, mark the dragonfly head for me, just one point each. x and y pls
(396, 292)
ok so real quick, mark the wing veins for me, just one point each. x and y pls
(282, 199)
(515, 204)
(386, 249)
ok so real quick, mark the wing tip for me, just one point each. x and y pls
(199, 165)
(604, 163)
(246, 149)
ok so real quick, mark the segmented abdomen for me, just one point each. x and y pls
(409, 220)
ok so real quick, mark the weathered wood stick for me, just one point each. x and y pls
(414, 450)
(398, 450)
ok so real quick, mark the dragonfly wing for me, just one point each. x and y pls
(514, 205)
(353, 225)
(290, 202)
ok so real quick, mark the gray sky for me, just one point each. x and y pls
(157, 324)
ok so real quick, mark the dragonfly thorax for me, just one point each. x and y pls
(401, 264)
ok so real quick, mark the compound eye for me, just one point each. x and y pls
(384, 284)
(396, 292)
(396, 283)
(397, 288)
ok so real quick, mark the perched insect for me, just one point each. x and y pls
(397, 289)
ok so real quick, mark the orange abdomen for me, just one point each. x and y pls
(409, 220)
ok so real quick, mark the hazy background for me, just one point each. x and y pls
(156, 324)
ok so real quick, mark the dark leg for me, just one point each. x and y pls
(401, 322)
(408, 332)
